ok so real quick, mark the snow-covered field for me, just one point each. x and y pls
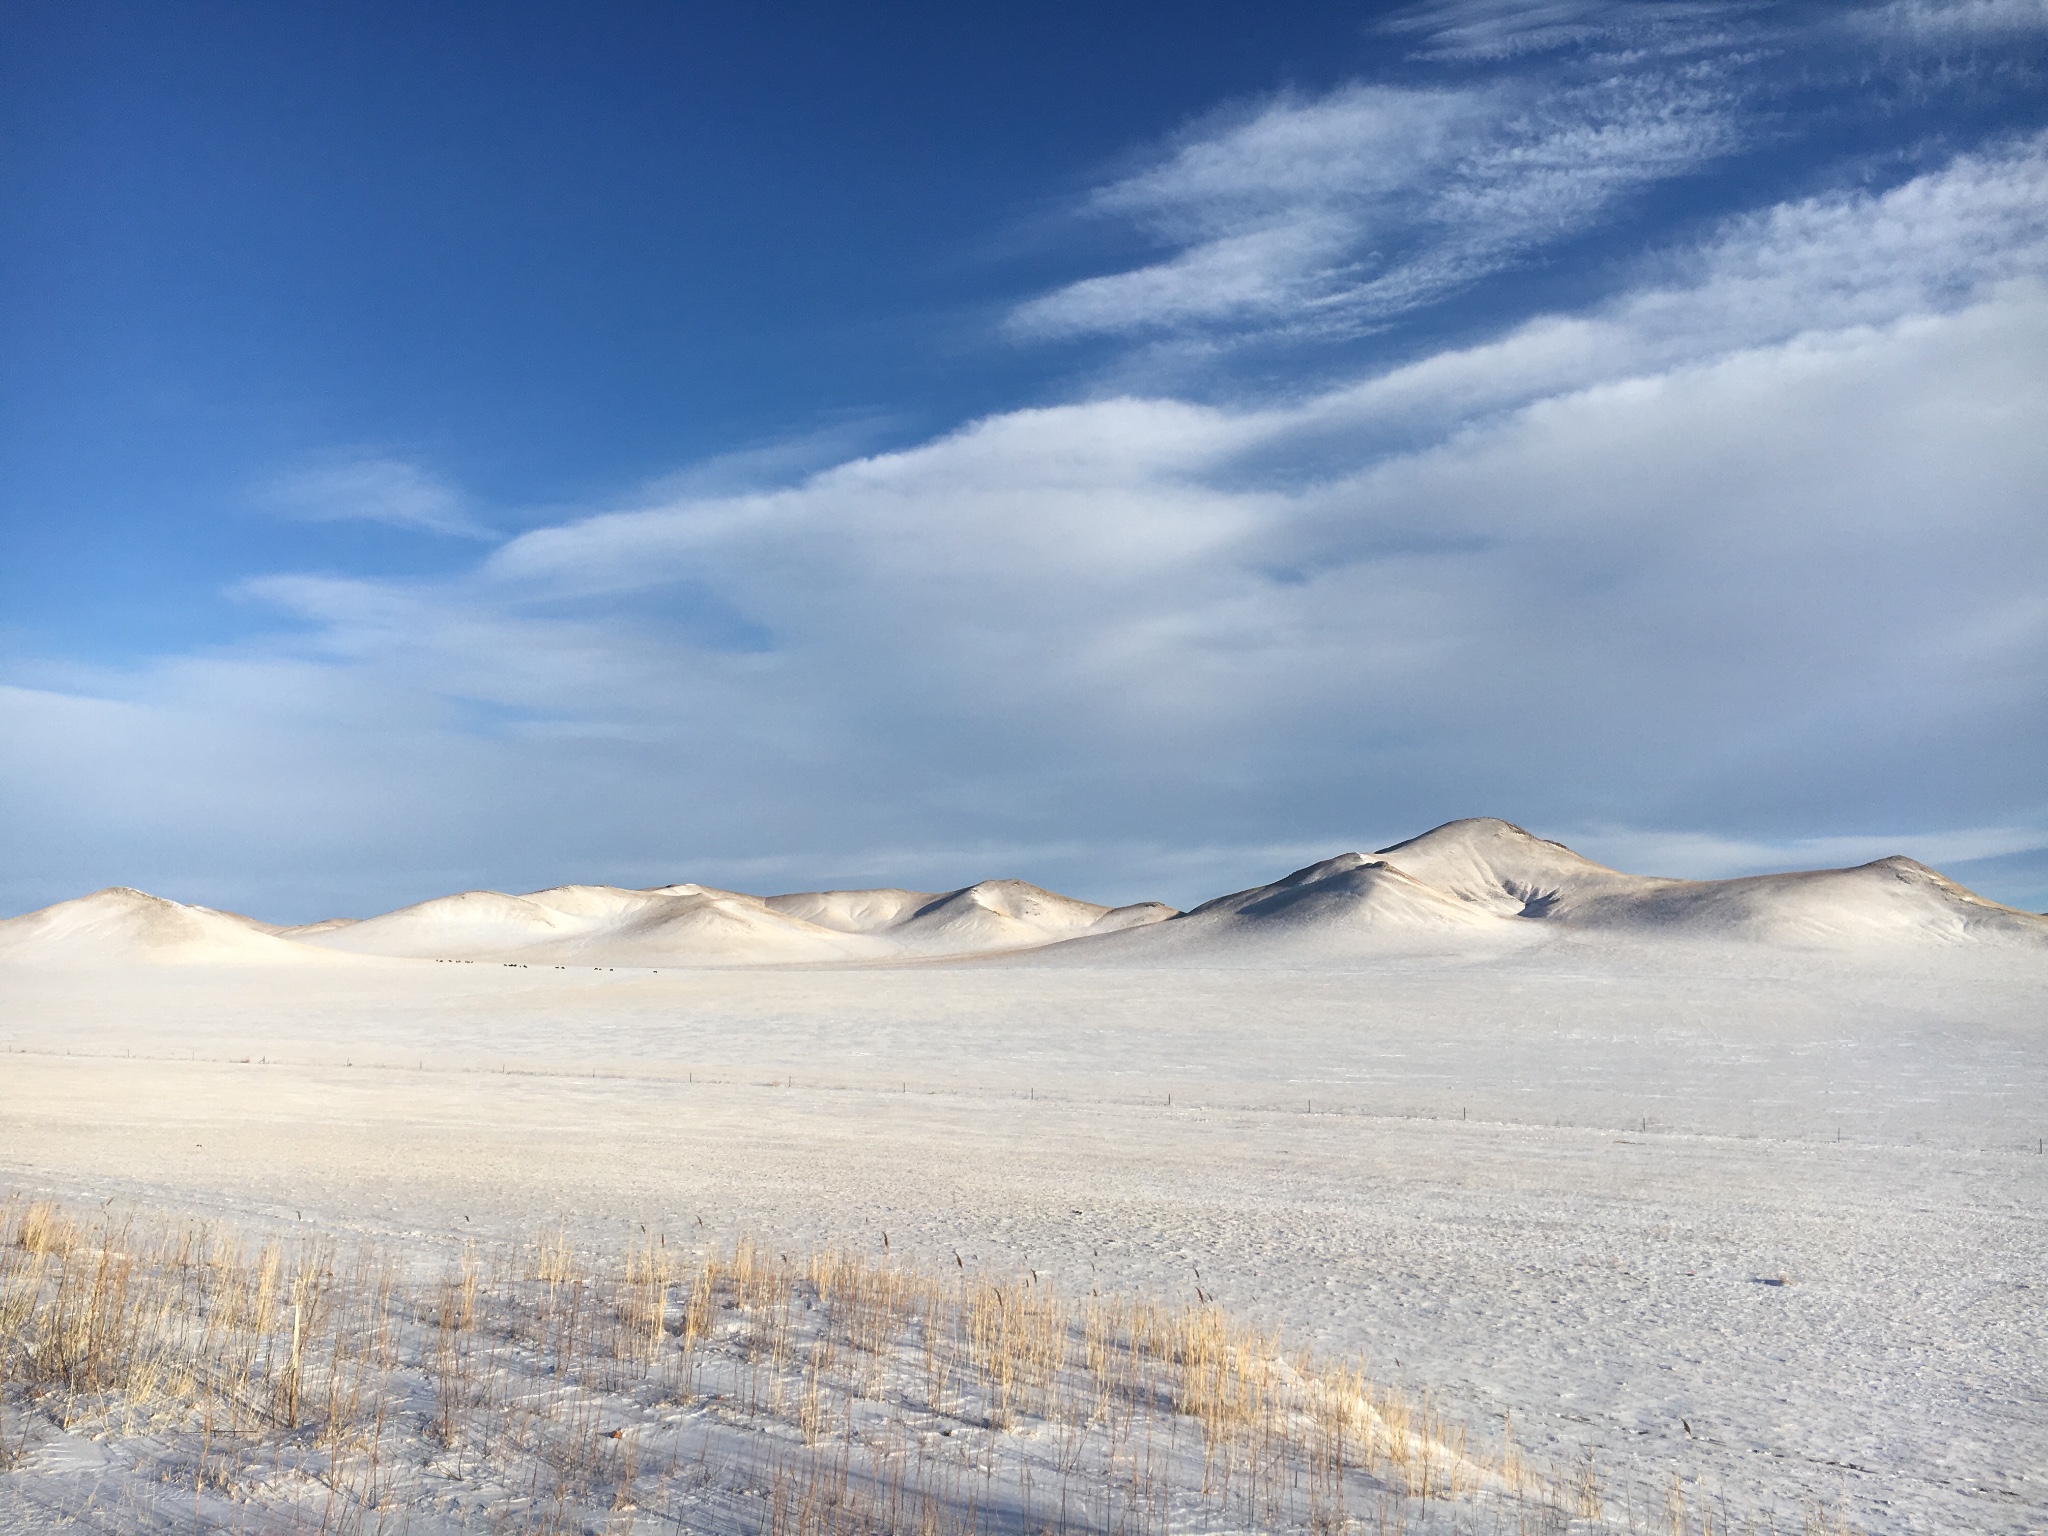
(1714, 1190)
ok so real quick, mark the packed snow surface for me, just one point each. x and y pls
(1734, 1180)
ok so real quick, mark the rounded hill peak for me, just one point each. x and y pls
(1481, 831)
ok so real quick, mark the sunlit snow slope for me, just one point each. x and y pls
(1478, 885)
(119, 925)
(697, 925)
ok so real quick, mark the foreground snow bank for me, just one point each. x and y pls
(185, 1378)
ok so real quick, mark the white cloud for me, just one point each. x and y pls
(1329, 216)
(374, 489)
(1498, 29)
(1942, 22)
(1502, 29)
(1757, 549)
(766, 465)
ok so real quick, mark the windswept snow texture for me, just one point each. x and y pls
(1477, 886)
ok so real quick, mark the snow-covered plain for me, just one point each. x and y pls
(1735, 1179)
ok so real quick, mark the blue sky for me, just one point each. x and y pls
(1136, 448)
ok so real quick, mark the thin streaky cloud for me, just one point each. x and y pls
(1331, 216)
(1940, 22)
(374, 489)
(1321, 218)
(1495, 30)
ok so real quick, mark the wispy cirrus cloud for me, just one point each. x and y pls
(1329, 216)
(1943, 22)
(374, 488)
(1493, 30)
(1319, 218)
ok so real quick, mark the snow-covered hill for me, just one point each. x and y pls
(699, 925)
(1479, 886)
(120, 925)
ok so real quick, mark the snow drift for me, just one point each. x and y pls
(1478, 887)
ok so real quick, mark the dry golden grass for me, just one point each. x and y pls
(246, 1385)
